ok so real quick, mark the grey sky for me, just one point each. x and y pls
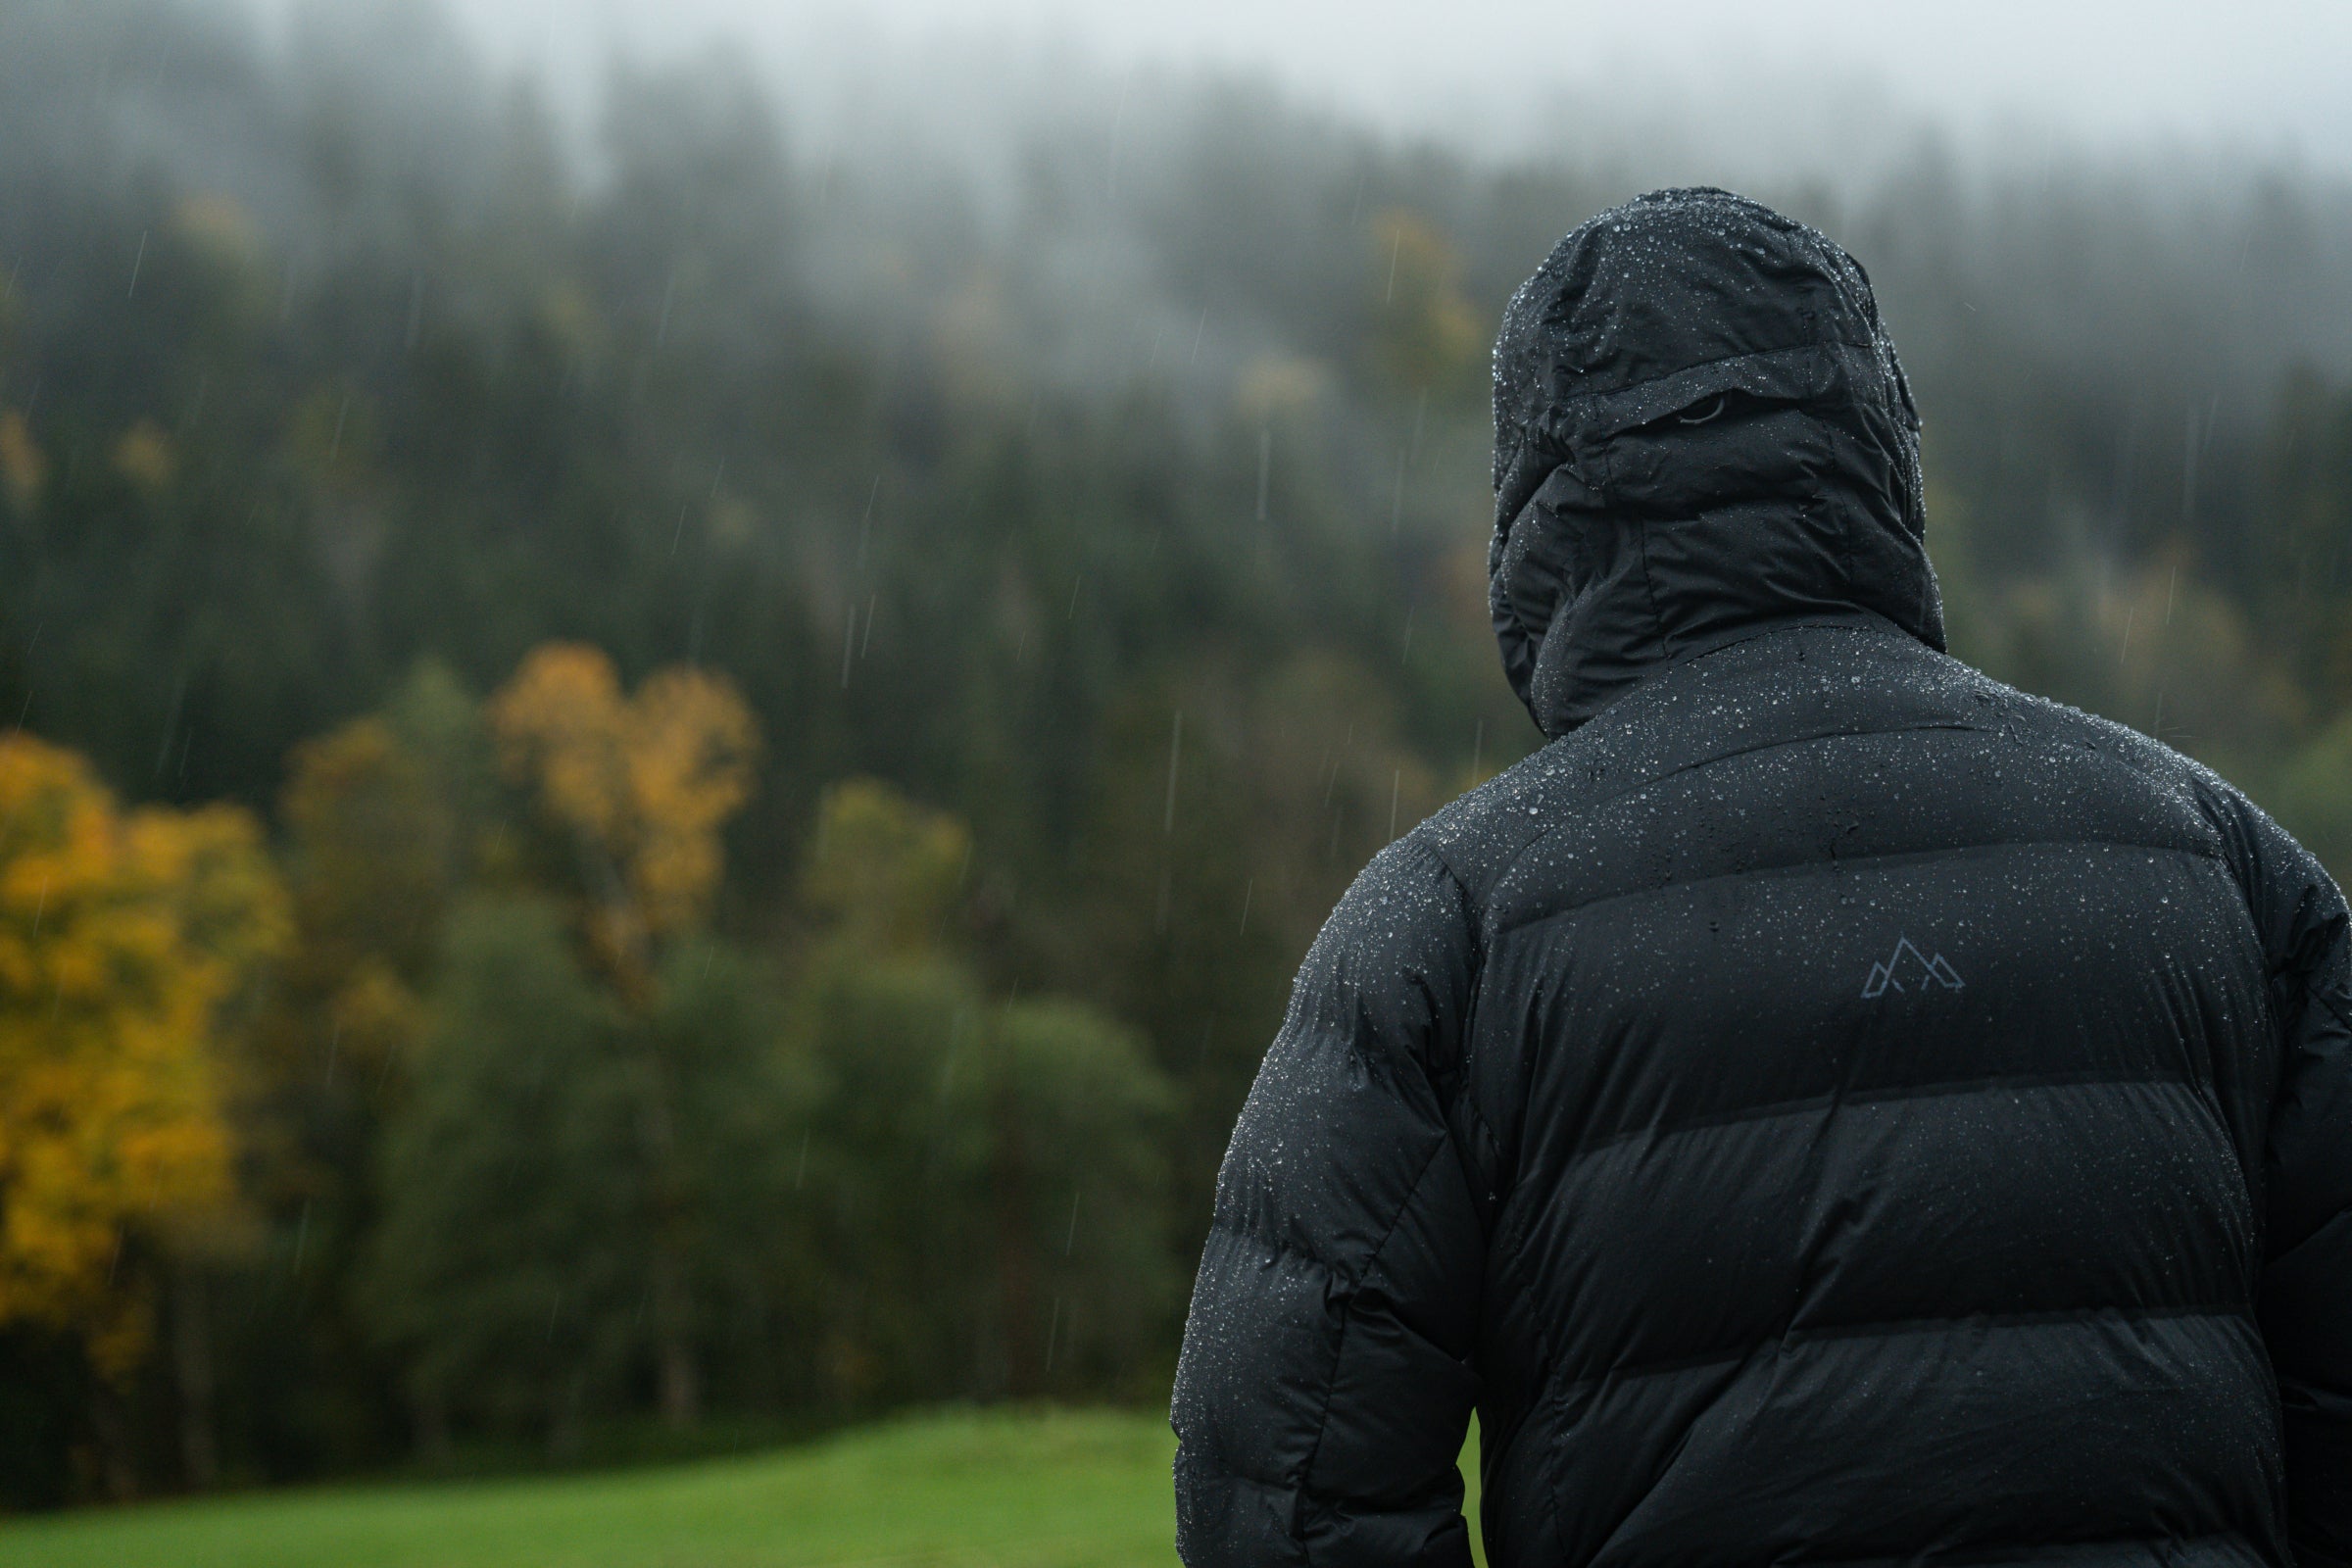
(2257, 75)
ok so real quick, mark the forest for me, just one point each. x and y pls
(661, 784)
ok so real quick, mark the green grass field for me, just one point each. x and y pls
(957, 1490)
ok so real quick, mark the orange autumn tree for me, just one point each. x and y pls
(123, 935)
(643, 784)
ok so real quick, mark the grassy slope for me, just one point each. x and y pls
(1037, 1490)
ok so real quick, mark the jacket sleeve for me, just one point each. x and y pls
(2306, 1304)
(1326, 1381)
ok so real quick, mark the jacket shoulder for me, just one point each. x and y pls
(1479, 834)
(2138, 761)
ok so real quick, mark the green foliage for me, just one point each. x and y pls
(1426, 336)
(736, 1088)
(2156, 649)
(2302, 537)
(884, 873)
(569, 1187)
(509, 1258)
(896, 1165)
(995, 1172)
(1081, 1182)
(2315, 798)
(994, 1188)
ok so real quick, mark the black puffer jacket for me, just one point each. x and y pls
(1826, 1106)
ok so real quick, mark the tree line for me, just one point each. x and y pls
(553, 1150)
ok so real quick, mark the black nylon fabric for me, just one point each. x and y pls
(1699, 423)
(1825, 1106)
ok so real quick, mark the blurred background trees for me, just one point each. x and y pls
(786, 712)
(127, 941)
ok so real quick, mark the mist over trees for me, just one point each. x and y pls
(808, 691)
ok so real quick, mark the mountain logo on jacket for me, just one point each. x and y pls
(1909, 970)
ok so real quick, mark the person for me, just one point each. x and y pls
(1825, 1105)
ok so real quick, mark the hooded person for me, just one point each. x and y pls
(1825, 1105)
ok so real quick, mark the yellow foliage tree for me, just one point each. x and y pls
(644, 783)
(121, 936)
(144, 455)
(641, 784)
(884, 871)
(22, 467)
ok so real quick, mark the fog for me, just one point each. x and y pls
(1742, 88)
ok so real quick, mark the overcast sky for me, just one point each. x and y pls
(2257, 76)
(1785, 81)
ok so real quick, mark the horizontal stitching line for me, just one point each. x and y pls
(1513, 1227)
(1787, 353)
(1882, 1093)
(1592, 807)
(1795, 867)
(1997, 1549)
(1277, 1245)
(1892, 1328)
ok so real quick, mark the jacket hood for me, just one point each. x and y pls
(1700, 429)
